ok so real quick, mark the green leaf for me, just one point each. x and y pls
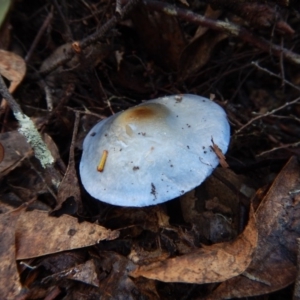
(4, 6)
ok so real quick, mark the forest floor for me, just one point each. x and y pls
(70, 64)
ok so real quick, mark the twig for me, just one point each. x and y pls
(48, 95)
(92, 8)
(96, 36)
(290, 117)
(293, 145)
(67, 27)
(275, 75)
(86, 112)
(28, 129)
(39, 35)
(230, 28)
(268, 114)
(72, 146)
(281, 64)
(118, 7)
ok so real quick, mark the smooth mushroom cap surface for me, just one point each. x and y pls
(156, 151)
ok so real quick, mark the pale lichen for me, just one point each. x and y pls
(170, 11)
(33, 137)
(230, 28)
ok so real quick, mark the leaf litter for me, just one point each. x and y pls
(274, 261)
(10, 284)
(107, 252)
(215, 263)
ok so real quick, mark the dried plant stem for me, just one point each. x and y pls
(275, 75)
(292, 145)
(38, 36)
(268, 114)
(230, 28)
(93, 38)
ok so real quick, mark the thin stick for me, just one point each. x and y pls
(38, 36)
(67, 27)
(72, 147)
(275, 75)
(230, 28)
(268, 114)
(15, 107)
(28, 129)
(93, 38)
(293, 145)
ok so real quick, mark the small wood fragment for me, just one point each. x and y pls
(102, 162)
(219, 153)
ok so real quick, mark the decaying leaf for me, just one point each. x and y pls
(12, 67)
(86, 272)
(10, 285)
(69, 186)
(161, 35)
(215, 263)
(198, 52)
(116, 281)
(274, 261)
(69, 189)
(209, 13)
(16, 149)
(38, 234)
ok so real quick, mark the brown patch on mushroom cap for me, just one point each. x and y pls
(142, 114)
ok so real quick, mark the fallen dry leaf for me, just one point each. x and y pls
(10, 285)
(12, 67)
(274, 261)
(69, 186)
(38, 234)
(209, 13)
(69, 189)
(198, 53)
(214, 263)
(16, 149)
(116, 282)
(86, 272)
(159, 31)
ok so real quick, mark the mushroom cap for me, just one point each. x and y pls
(157, 150)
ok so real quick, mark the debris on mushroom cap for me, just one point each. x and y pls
(155, 151)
